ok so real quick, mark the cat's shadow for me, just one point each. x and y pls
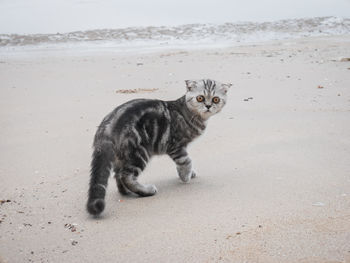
(167, 189)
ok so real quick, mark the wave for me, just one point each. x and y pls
(206, 34)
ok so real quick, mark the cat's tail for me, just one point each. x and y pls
(101, 164)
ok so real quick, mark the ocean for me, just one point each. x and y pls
(186, 36)
(155, 24)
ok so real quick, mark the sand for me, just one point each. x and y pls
(273, 171)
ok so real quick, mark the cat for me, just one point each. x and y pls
(133, 132)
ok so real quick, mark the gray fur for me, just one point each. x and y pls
(135, 131)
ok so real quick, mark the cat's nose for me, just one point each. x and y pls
(208, 106)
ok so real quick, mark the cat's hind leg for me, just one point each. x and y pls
(129, 179)
(131, 167)
(121, 187)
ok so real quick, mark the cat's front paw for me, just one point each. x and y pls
(186, 178)
(194, 174)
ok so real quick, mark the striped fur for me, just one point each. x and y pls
(135, 131)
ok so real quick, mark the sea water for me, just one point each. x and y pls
(155, 24)
(186, 36)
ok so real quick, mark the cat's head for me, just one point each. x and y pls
(206, 97)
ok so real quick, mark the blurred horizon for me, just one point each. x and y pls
(62, 16)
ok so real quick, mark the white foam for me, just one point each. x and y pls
(185, 36)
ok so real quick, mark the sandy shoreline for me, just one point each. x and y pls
(273, 172)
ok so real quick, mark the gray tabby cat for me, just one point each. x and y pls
(138, 129)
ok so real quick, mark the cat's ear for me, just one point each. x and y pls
(226, 86)
(190, 84)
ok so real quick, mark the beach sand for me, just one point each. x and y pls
(273, 168)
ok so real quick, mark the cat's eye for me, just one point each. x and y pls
(216, 100)
(200, 98)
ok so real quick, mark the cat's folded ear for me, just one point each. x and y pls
(226, 86)
(190, 84)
